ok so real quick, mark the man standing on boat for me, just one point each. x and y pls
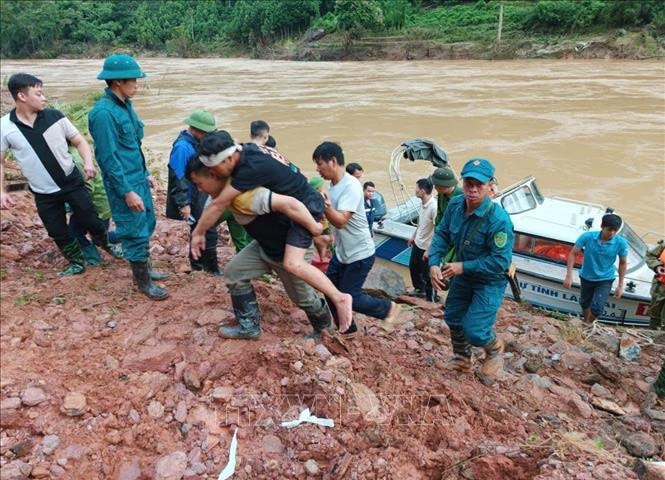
(655, 260)
(481, 234)
(597, 274)
(446, 188)
(117, 132)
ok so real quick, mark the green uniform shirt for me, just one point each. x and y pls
(442, 203)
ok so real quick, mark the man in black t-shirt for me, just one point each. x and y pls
(250, 166)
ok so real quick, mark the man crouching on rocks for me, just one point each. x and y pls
(481, 234)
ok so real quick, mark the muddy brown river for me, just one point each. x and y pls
(588, 130)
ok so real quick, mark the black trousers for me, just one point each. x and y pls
(51, 209)
(419, 270)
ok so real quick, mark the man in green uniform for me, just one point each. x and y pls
(655, 260)
(117, 132)
(446, 187)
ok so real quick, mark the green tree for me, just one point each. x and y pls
(355, 17)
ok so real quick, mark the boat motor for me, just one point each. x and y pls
(380, 210)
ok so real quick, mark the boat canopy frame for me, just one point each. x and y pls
(413, 149)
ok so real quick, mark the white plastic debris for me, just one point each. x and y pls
(306, 417)
(231, 466)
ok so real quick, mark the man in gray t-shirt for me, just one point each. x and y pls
(354, 247)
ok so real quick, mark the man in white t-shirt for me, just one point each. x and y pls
(422, 239)
(354, 247)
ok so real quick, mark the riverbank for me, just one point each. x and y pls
(619, 45)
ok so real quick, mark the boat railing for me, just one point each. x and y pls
(400, 194)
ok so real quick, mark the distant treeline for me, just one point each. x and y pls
(49, 28)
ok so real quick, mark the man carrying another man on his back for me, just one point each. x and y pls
(597, 274)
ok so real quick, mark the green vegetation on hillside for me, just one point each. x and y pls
(49, 28)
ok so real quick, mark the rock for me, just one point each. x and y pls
(607, 342)
(366, 401)
(21, 449)
(171, 467)
(314, 34)
(607, 405)
(16, 470)
(57, 471)
(323, 352)
(384, 281)
(41, 339)
(74, 404)
(50, 443)
(40, 471)
(155, 409)
(339, 362)
(311, 467)
(180, 413)
(607, 370)
(326, 376)
(32, 396)
(272, 444)
(190, 377)
(224, 394)
(575, 359)
(297, 366)
(650, 470)
(581, 407)
(147, 358)
(128, 471)
(133, 416)
(113, 436)
(629, 349)
(214, 317)
(533, 385)
(10, 403)
(534, 359)
(111, 362)
(11, 418)
(640, 445)
(599, 391)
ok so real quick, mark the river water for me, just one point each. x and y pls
(588, 130)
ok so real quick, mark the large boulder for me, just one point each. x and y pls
(384, 282)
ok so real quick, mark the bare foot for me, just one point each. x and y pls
(388, 323)
(344, 308)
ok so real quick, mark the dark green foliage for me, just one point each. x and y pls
(47, 28)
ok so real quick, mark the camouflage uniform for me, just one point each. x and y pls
(657, 308)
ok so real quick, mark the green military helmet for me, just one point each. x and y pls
(120, 66)
(202, 120)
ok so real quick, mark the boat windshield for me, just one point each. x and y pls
(520, 200)
(637, 249)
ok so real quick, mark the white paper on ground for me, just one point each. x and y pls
(305, 416)
(231, 466)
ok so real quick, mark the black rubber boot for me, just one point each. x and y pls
(461, 359)
(144, 282)
(209, 262)
(247, 313)
(320, 319)
(73, 253)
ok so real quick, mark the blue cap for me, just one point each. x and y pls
(478, 168)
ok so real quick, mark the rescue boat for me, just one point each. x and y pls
(545, 231)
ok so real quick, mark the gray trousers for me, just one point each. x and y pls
(252, 262)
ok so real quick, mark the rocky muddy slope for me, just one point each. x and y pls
(97, 382)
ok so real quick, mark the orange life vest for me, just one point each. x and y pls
(661, 278)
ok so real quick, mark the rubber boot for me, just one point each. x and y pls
(461, 359)
(351, 332)
(155, 275)
(493, 363)
(209, 262)
(320, 319)
(144, 282)
(73, 253)
(247, 313)
(91, 255)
